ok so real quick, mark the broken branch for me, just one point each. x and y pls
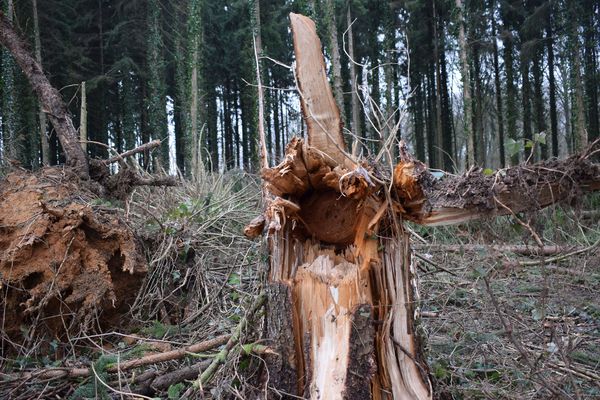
(129, 153)
(54, 373)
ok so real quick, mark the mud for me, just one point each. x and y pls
(66, 266)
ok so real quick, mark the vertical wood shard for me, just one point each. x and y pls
(319, 108)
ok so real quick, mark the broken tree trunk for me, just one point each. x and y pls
(341, 303)
(342, 312)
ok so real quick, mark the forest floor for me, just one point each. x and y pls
(507, 326)
(202, 276)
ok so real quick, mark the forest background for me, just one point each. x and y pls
(184, 72)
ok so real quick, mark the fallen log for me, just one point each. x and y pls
(475, 195)
(523, 250)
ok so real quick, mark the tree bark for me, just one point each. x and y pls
(552, 87)
(83, 137)
(336, 67)
(341, 301)
(52, 103)
(466, 80)
(498, 88)
(42, 114)
(264, 161)
(356, 131)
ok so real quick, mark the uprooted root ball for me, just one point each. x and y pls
(64, 264)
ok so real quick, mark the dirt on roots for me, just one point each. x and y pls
(66, 266)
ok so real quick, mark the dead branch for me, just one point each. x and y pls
(560, 257)
(155, 181)
(50, 99)
(55, 373)
(129, 153)
(163, 382)
(210, 371)
(524, 250)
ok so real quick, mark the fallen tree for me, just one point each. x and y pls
(342, 313)
(64, 264)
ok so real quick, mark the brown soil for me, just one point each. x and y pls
(64, 264)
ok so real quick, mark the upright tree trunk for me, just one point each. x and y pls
(9, 112)
(264, 161)
(334, 48)
(194, 157)
(83, 136)
(42, 115)
(552, 87)
(509, 67)
(580, 133)
(439, 138)
(526, 102)
(466, 80)
(538, 101)
(156, 101)
(590, 67)
(356, 131)
(498, 89)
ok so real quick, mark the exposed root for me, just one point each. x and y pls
(63, 263)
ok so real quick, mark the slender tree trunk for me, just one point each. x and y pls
(591, 72)
(41, 116)
(334, 48)
(526, 102)
(538, 101)
(439, 137)
(466, 80)
(418, 117)
(264, 160)
(498, 89)
(579, 131)
(8, 94)
(431, 116)
(477, 110)
(156, 102)
(552, 88)
(356, 131)
(83, 136)
(511, 90)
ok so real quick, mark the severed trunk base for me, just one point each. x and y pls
(341, 312)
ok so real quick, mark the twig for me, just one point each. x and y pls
(508, 329)
(535, 236)
(209, 372)
(561, 257)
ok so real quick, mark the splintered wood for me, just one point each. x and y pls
(342, 308)
(341, 298)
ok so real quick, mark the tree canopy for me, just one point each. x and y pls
(491, 83)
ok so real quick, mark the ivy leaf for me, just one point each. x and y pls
(540, 137)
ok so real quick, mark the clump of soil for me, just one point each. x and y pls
(64, 263)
